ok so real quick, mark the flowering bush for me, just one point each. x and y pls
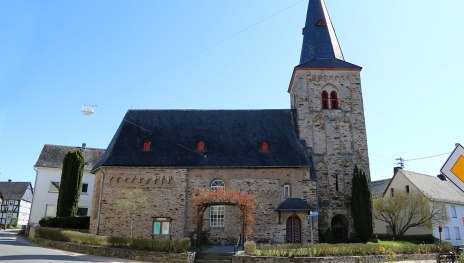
(245, 202)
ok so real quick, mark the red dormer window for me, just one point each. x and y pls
(146, 146)
(264, 147)
(201, 147)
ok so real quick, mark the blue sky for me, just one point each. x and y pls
(56, 56)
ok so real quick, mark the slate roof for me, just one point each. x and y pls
(232, 139)
(294, 204)
(320, 40)
(379, 187)
(13, 190)
(434, 188)
(328, 63)
(52, 156)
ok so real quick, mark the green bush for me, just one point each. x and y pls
(325, 250)
(250, 247)
(175, 246)
(80, 222)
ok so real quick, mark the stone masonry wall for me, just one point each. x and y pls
(336, 138)
(267, 186)
(164, 188)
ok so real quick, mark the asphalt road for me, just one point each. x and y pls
(16, 248)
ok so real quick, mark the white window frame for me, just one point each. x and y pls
(457, 233)
(218, 184)
(446, 233)
(217, 216)
(53, 185)
(11, 202)
(287, 191)
(453, 211)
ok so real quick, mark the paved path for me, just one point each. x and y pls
(14, 248)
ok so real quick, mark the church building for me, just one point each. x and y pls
(295, 162)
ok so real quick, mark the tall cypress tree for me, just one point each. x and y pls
(361, 205)
(70, 186)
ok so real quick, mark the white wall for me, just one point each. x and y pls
(454, 239)
(42, 195)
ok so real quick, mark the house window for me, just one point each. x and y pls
(333, 100)
(447, 233)
(217, 184)
(161, 225)
(54, 187)
(216, 216)
(11, 202)
(457, 233)
(325, 100)
(85, 188)
(217, 212)
(50, 210)
(392, 192)
(287, 192)
(406, 188)
(453, 211)
(82, 211)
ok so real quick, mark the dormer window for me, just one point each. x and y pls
(264, 147)
(329, 101)
(147, 146)
(201, 146)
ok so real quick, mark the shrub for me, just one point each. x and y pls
(70, 186)
(81, 222)
(250, 247)
(175, 246)
(325, 250)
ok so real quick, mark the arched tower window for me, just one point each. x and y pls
(333, 100)
(325, 100)
(217, 212)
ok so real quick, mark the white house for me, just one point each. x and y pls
(16, 204)
(48, 175)
(436, 189)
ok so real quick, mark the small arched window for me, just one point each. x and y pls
(217, 184)
(333, 100)
(325, 100)
(264, 147)
(201, 147)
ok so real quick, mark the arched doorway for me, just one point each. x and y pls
(339, 226)
(293, 230)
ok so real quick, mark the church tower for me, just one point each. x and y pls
(325, 92)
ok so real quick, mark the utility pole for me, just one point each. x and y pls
(400, 162)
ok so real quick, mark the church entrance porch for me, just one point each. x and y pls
(339, 226)
(293, 234)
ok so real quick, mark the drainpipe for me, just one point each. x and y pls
(100, 201)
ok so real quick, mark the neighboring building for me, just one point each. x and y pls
(378, 187)
(48, 176)
(294, 160)
(16, 204)
(436, 189)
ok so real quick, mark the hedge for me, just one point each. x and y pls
(80, 222)
(175, 246)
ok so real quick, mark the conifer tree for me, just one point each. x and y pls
(70, 186)
(361, 205)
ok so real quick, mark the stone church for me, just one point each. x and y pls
(295, 162)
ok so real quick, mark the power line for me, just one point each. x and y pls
(427, 157)
(186, 59)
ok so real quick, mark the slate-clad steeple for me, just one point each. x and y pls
(320, 40)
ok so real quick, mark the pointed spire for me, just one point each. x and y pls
(320, 40)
